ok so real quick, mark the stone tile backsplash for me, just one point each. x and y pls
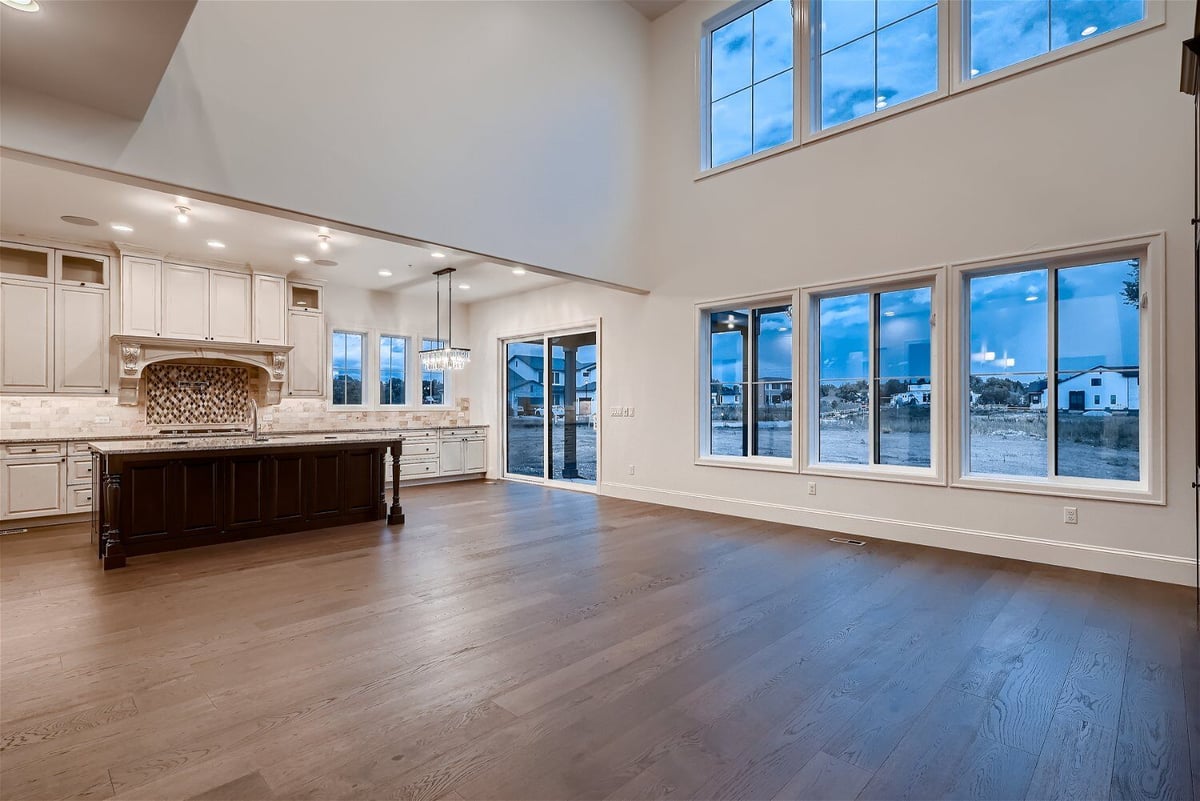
(96, 417)
(196, 395)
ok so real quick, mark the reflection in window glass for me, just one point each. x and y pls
(773, 382)
(904, 377)
(433, 382)
(347, 368)
(526, 397)
(750, 83)
(1006, 32)
(1098, 381)
(874, 55)
(728, 382)
(844, 379)
(391, 370)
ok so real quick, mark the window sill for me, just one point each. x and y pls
(1095, 489)
(771, 464)
(902, 475)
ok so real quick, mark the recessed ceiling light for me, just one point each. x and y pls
(181, 214)
(889, 314)
(122, 227)
(21, 5)
(1031, 298)
(74, 220)
(302, 259)
(1089, 30)
(386, 273)
(325, 263)
(518, 270)
(437, 255)
(212, 243)
(464, 286)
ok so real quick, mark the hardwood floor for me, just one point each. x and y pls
(513, 642)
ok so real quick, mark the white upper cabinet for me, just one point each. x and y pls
(26, 336)
(81, 339)
(270, 310)
(228, 306)
(81, 269)
(26, 262)
(306, 362)
(141, 297)
(184, 301)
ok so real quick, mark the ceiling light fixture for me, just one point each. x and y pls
(518, 270)
(181, 214)
(1030, 298)
(1089, 30)
(444, 356)
(212, 243)
(464, 286)
(122, 227)
(386, 273)
(21, 5)
(323, 241)
(301, 259)
(437, 255)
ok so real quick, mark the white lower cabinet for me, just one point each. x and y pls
(475, 456)
(462, 450)
(34, 487)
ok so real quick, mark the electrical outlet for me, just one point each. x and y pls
(632, 411)
(615, 411)
(632, 469)
(627, 412)
(1070, 515)
(812, 488)
(102, 418)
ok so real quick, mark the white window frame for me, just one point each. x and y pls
(810, 370)
(447, 379)
(1150, 487)
(953, 42)
(379, 404)
(367, 394)
(702, 455)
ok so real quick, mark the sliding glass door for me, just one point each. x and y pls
(551, 399)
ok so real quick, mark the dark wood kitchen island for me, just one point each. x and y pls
(158, 495)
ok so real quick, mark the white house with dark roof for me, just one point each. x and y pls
(1102, 388)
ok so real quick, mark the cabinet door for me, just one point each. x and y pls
(451, 457)
(26, 334)
(141, 297)
(32, 488)
(474, 456)
(184, 301)
(306, 362)
(228, 306)
(80, 339)
(270, 310)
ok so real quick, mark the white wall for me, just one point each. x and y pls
(512, 129)
(1087, 149)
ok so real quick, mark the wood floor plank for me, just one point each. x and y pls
(519, 642)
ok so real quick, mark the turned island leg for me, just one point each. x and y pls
(112, 552)
(396, 512)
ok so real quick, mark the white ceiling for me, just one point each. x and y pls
(106, 54)
(653, 9)
(33, 197)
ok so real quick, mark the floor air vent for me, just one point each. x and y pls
(844, 541)
(13, 531)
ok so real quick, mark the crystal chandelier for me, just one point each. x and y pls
(444, 356)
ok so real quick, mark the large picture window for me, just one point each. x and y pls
(871, 55)
(874, 395)
(1055, 375)
(433, 382)
(748, 81)
(748, 376)
(393, 363)
(1001, 33)
(347, 366)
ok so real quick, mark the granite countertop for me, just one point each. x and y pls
(229, 443)
(390, 433)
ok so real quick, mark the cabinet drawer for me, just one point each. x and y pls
(79, 470)
(419, 448)
(78, 449)
(79, 499)
(460, 433)
(417, 436)
(35, 449)
(411, 469)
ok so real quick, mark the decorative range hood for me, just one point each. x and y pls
(138, 351)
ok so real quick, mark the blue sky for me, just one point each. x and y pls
(774, 348)
(903, 335)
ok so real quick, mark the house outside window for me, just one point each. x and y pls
(347, 368)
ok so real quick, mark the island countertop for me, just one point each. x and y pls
(230, 443)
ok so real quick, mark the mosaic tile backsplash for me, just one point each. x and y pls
(196, 395)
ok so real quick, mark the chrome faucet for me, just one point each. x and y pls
(254, 417)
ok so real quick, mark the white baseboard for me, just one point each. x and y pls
(1119, 561)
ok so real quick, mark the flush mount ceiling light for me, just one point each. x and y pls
(21, 5)
(445, 356)
(212, 243)
(75, 220)
(301, 259)
(1089, 30)
(122, 227)
(386, 273)
(323, 238)
(181, 214)
(518, 270)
